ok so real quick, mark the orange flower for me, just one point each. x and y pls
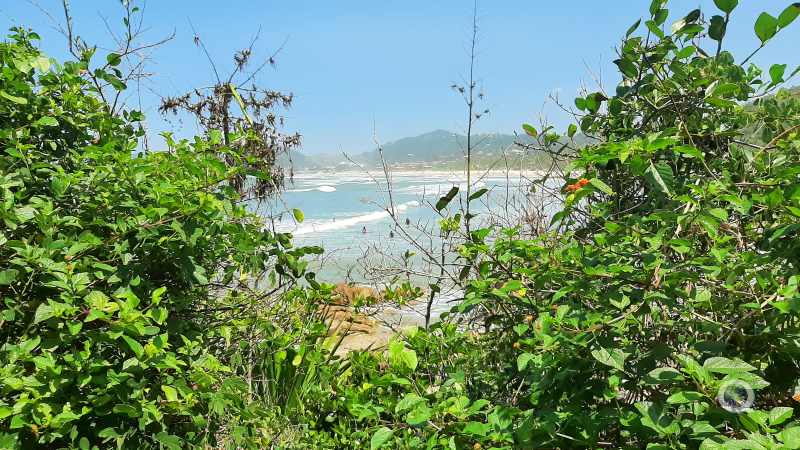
(796, 397)
(577, 185)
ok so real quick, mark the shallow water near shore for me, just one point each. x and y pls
(347, 214)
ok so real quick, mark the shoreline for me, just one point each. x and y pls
(378, 173)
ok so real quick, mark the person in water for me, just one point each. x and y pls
(364, 230)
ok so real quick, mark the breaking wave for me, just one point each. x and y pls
(324, 188)
(330, 225)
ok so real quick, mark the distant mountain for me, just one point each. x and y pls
(300, 161)
(439, 149)
(438, 146)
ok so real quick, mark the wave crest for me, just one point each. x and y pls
(330, 225)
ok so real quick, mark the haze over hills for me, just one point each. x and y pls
(438, 149)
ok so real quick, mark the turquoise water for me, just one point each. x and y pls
(346, 214)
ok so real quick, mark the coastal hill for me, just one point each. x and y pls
(439, 149)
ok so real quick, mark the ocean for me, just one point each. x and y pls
(346, 213)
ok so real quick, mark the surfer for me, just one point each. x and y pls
(364, 230)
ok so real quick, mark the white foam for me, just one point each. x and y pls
(323, 188)
(330, 225)
(437, 189)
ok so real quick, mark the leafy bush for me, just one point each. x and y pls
(661, 309)
(114, 271)
(676, 273)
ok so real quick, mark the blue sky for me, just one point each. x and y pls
(352, 63)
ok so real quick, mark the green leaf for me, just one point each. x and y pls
(170, 392)
(653, 416)
(100, 301)
(530, 130)
(42, 63)
(43, 312)
(170, 441)
(115, 82)
(46, 122)
(766, 26)
(599, 184)
(401, 356)
(717, 28)
(790, 437)
(776, 72)
(627, 67)
(113, 59)
(594, 100)
(688, 151)
(298, 215)
(655, 6)
(108, 432)
(680, 398)
(419, 415)
(780, 414)
(477, 429)
(8, 276)
(789, 15)
(155, 297)
(719, 364)
(687, 20)
(199, 274)
(686, 52)
(5, 411)
(663, 375)
(523, 360)
(659, 18)
(660, 175)
(633, 28)
(755, 381)
(408, 401)
(614, 358)
(478, 193)
(572, 129)
(726, 6)
(13, 98)
(128, 410)
(380, 437)
(135, 346)
(446, 199)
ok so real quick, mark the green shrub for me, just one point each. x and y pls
(666, 292)
(115, 268)
(674, 274)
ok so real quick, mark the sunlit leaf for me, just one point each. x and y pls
(766, 26)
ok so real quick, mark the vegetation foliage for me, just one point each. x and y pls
(144, 307)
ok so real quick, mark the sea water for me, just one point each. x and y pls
(347, 213)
